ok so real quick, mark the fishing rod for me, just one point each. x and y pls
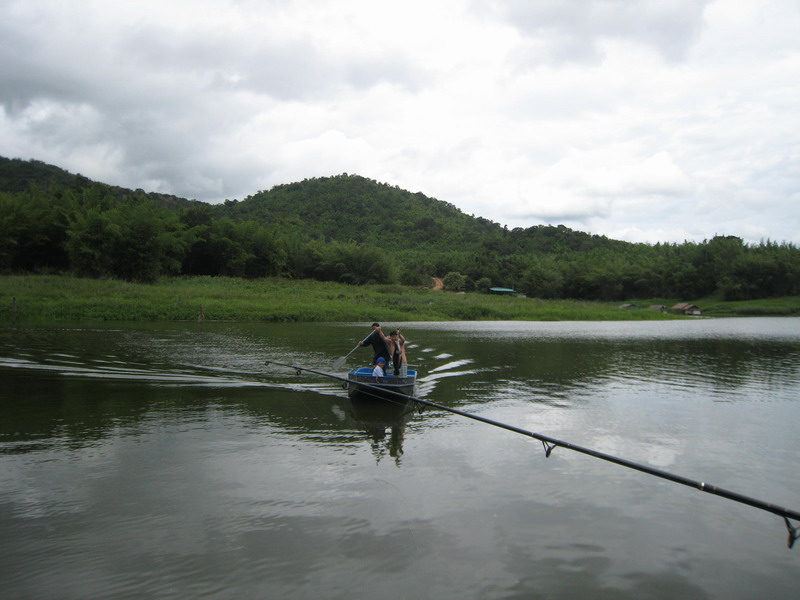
(550, 444)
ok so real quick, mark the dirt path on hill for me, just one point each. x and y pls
(437, 283)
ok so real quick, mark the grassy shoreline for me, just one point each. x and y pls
(54, 298)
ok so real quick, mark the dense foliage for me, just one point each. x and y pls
(354, 230)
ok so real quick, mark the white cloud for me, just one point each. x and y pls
(658, 120)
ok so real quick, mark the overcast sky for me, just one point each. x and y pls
(643, 120)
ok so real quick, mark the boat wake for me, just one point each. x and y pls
(162, 375)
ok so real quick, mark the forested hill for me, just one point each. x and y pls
(20, 175)
(353, 208)
(354, 230)
(345, 208)
(17, 175)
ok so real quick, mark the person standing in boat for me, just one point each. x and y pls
(379, 342)
(397, 350)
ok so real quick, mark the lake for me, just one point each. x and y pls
(169, 461)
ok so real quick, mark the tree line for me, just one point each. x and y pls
(723, 266)
(353, 230)
(88, 233)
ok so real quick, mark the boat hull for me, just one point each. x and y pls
(361, 382)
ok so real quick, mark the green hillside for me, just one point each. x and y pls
(354, 230)
(349, 207)
(343, 208)
(17, 175)
(353, 208)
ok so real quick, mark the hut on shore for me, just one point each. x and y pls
(684, 308)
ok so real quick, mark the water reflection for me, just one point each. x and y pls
(138, 461)
(63, 371)
(384, 421)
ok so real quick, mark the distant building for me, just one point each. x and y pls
(684, 308)
(503, 291)
(660, 307)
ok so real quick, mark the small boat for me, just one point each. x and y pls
(362, 382)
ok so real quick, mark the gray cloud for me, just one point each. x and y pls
(650, 120)
(574, 29)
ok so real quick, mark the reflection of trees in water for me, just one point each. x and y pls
(722, 364)
(41, 409)
(715, 365)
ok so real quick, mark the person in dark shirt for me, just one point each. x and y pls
(379, 342)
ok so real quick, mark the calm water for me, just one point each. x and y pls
(167, 461)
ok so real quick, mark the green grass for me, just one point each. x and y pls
(46, 298)
(771, 307)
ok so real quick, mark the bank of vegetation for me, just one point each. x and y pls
(30, 299)
(355, 231)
